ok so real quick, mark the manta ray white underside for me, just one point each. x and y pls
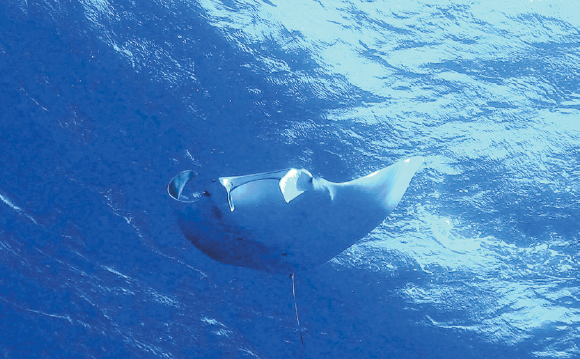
(289, 220)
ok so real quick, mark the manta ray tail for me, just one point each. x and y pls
(296, 308)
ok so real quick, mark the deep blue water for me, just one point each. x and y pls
(104, 102)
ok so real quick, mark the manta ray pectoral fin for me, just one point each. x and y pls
(228, 185)
(294, 183)
(247, 188)
(399, 177)
(389, 184)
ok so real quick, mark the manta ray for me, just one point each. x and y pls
(286, 221)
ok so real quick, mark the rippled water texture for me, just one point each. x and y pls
(103, 102)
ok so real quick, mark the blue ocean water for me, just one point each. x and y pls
(104, 102)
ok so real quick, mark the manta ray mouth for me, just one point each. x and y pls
(180, 188)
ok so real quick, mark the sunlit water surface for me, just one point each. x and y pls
(103, 102)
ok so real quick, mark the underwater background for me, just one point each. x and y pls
(103, 102)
